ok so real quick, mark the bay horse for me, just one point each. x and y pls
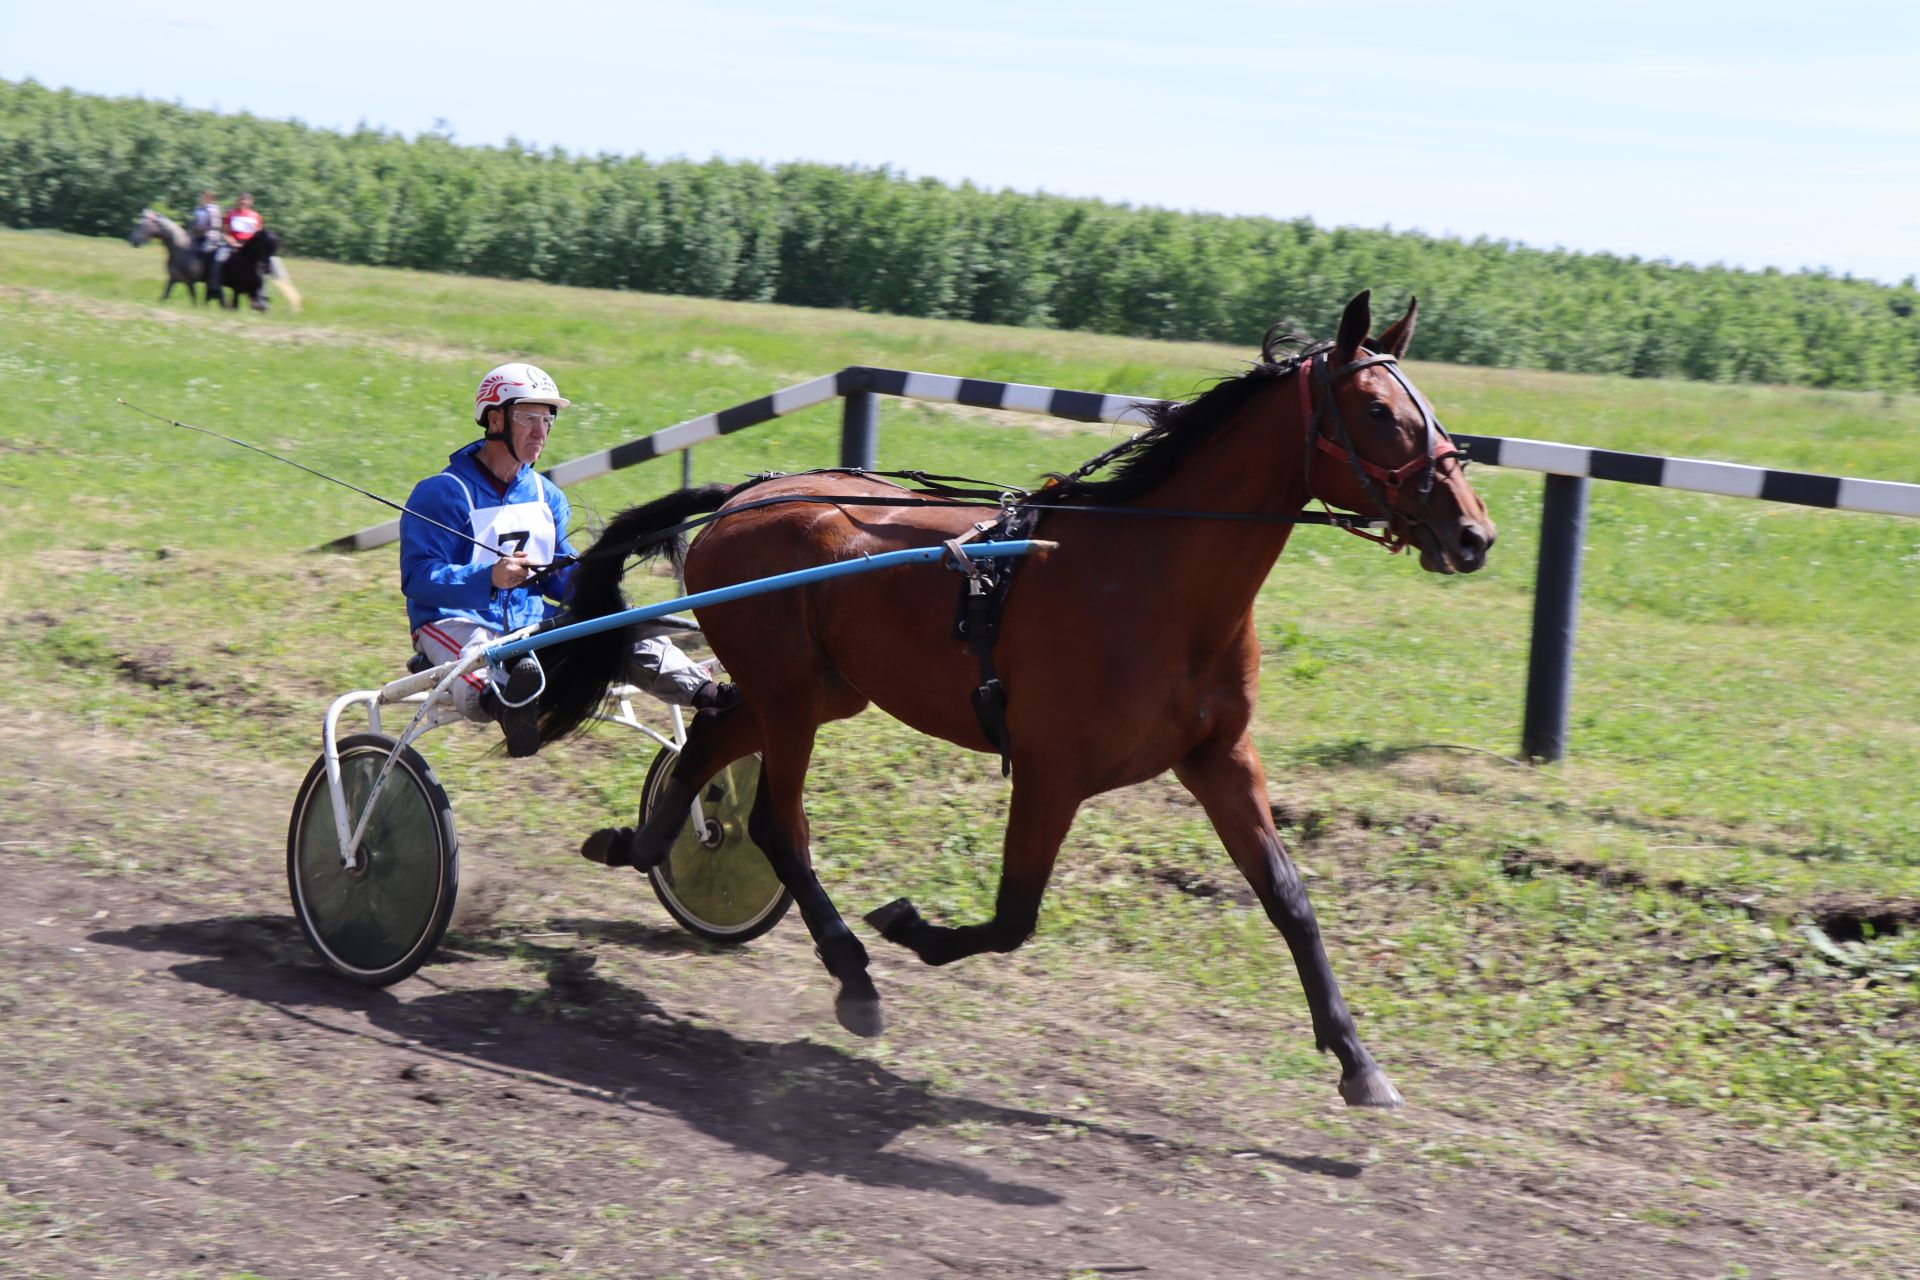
(1127, 651)
(185, 265)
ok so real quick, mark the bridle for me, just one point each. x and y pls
(1338, 442)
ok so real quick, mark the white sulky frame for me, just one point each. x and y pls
(431, 692)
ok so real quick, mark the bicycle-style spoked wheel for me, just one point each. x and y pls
(716, 882)
(379, 920)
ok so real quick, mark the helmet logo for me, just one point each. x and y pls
(515, 381)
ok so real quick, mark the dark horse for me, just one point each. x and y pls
(247, 270)
(185, 264)
(1128, 651)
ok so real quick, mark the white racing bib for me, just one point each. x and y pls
(518, 526)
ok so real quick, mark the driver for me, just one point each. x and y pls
(461, 596)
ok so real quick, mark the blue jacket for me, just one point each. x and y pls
(444, 576)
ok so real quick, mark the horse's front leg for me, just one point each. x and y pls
(779, 826)
(1038, 819)
(1227, 780)
(166, 292)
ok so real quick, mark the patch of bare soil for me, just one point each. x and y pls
(574, 1087)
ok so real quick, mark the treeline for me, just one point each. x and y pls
(817, 235)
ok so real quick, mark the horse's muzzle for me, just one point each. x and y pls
(1461, 548)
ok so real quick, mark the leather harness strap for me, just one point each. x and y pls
(982, 601)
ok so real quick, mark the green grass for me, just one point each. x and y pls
(1746, 728)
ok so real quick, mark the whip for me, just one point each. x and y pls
(365, 493)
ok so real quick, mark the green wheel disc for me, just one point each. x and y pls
(377, 921)
(717, 883)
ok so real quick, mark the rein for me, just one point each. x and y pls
(952, 497)
(947, 491)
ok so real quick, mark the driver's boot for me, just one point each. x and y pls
(714, 697)
(521, 724)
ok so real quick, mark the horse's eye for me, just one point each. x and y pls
(1379, 411)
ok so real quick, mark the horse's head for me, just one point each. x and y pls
(1374, 446)
(144, 229)
(269, 241)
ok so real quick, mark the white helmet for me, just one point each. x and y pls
(516, 382)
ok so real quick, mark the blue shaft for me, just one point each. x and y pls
(759, 586)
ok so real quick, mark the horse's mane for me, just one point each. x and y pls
(1177, 427)
(268, 242)
(170, 231)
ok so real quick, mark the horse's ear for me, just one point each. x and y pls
(1399, 334)
(1353, 327)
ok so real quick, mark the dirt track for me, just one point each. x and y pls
(577, 1088)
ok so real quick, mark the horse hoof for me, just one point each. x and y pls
(861, 1015)
(893, 920)
(609, 846)
(1371, 1088)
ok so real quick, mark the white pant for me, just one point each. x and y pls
(655, 664)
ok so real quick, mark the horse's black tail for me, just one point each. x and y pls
(579, 671)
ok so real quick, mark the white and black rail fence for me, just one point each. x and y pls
(1569, 471)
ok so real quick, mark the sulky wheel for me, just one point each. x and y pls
(378, 921)
(716, 882)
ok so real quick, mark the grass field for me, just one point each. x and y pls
(1746, 725)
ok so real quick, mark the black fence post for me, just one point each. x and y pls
(1556, 606)
(859, 429)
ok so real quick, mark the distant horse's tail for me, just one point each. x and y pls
(579, 671)
(277, 271)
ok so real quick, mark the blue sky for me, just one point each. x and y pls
(1754, 134)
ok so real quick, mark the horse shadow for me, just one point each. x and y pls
(811, 1107)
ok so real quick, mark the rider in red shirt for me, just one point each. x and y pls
(241, 224)
(242, 220)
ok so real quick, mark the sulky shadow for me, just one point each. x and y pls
(812, 1107)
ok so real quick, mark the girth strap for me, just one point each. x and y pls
(982, 600)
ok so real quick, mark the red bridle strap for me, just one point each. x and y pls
(1391, 479)
(1439, 447)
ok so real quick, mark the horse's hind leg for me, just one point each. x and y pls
(1037, 821)
(1227, 780)
(779, 827)
(713, 743)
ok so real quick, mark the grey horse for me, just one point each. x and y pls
(184, 263)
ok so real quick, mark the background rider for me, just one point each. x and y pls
(239, 226)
